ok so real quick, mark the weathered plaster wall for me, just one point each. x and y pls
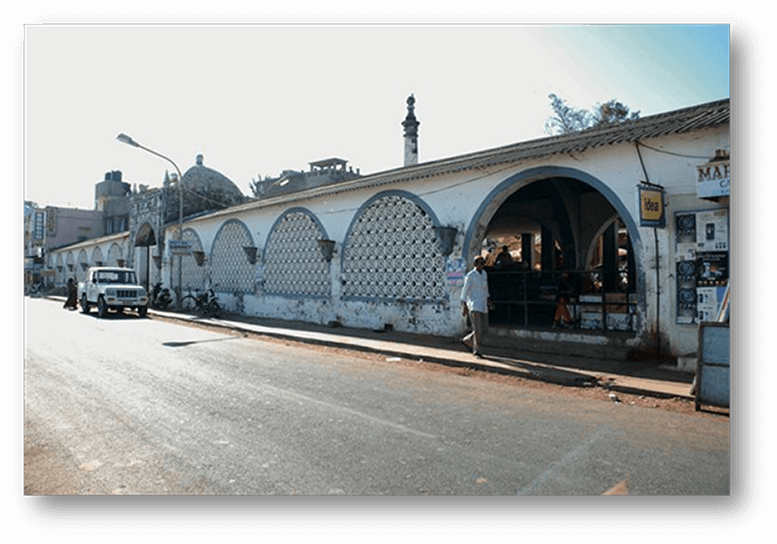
(467, 201)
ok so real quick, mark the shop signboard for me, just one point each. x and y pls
(180, 247)
(38, 227)
(712, 179)
(651, 206)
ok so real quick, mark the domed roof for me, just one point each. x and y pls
(206, 189)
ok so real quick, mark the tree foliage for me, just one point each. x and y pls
(567, 119)
(613, 112)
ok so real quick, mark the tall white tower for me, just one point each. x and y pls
(411, 133)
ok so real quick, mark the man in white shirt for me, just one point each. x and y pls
(476, 302)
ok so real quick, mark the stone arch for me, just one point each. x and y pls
(145, 267)
(578, 208)
(493, 201)
(70, 266)
(81, 265)
(193, 267)
(392, 251)
(145, 236)
(293, 262)
(97, 256)
(114, 255)
(233, 259)
(60, 272)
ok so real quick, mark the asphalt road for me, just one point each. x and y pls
(139, 406)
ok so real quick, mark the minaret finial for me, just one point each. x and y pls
(411, 133)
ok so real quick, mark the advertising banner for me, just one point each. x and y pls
(651, 207)
(702, 267)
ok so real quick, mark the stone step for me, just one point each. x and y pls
(576, 343)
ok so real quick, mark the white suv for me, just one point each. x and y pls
(110, 288)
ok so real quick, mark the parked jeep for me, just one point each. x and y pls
(111, 288)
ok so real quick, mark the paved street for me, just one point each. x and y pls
(141, 406)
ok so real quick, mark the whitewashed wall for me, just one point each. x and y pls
(466, 200)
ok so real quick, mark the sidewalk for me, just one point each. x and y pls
(642, 378)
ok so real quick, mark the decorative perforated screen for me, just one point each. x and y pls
(392, 252)
(293, 261)
(231, 270)
(192, 275)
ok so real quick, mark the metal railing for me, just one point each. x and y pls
(528, 299)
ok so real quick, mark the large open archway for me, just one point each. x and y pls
(145, 248)
(547, 223)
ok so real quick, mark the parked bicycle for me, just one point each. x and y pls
(205, 303)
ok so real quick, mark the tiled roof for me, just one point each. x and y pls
(698, 117)
(675, 122)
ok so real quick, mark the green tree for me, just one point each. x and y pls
(613, 112)
(567, 119)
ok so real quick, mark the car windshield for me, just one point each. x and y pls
(116, 276)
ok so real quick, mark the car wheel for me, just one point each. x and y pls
(142, 311)
(84, 304)
(102, 307)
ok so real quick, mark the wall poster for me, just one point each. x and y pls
(455, 269)
(702, 268)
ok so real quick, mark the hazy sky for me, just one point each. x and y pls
(256, 100)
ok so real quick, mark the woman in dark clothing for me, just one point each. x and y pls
(72, 295)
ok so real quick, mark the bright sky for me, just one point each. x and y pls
(256, 100)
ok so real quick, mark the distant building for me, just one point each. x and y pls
(112, 198)
(51, 227)
(321, 173)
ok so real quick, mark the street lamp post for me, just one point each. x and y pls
(123, 138)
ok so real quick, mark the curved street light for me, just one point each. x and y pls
(125, 139)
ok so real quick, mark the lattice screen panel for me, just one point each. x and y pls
(192, 275)
(231, 271)
(393, 252)
(293, 263)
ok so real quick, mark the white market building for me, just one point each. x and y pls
(389, 249)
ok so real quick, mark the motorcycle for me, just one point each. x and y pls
(160, 297)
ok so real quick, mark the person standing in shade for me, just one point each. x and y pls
(475, 302)
(504, 259)
(563, 297)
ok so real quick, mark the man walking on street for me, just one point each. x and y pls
(476, 302)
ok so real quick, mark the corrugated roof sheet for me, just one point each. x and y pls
(698, 117)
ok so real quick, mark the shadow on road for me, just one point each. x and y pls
(191, 342)
(548, 373)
